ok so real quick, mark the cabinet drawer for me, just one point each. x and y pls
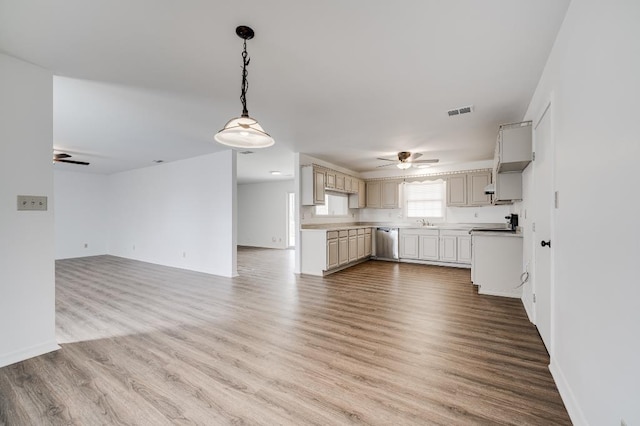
(353, 232)
(344, 233)
(332, 234)
(367, 230)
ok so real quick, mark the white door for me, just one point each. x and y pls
(543, 209)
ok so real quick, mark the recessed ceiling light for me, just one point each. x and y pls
(275, 172)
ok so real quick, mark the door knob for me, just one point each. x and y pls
(545, 243)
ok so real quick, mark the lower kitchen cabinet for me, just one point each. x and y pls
(343, 248)
(332, 253)
(325, 251)
(447, 246)
(353, 245)
(367, 242)
(429, 247)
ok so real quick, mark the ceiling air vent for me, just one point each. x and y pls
(246, 152)
(461, 110)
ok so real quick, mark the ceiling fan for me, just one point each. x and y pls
(406, 160)
(62, 157)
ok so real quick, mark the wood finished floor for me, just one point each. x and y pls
(380, 343)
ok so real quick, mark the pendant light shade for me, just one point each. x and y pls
(244, 131)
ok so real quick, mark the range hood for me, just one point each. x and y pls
(490, 189)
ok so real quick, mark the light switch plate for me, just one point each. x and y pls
(32, 202)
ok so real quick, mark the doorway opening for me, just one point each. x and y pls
(291, 220)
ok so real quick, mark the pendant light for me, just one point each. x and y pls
(244, 131)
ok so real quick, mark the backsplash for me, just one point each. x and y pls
(484, 214)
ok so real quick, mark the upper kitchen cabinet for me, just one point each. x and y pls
(513, 148)
(383, 195)
(358, 199)
(467, 189)
(312, 182)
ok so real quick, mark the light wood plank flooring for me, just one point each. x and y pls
(380, 343)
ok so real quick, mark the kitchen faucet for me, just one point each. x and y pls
(423, 222)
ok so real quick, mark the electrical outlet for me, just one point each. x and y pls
(86, 245)
(32, 202)
(273, 239)
(134, 247)
(623, 423)
(475, 214)
(184, 254)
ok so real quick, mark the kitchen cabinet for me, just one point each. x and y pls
(464, 249)
(312, 181)
(331, 180)
(508, 188)
(367, 242)
(497, 264)
(348, 184)
(409, 245)
(449, 246)
(327, 251)
(429, 247)
(339, 181)
(467, 189)
(357, 200)
(332, 253)
(514, 147)
(360, 243)
(343, 248)
(353, 245)
(383, 195)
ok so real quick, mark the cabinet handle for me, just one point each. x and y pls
(545, 243)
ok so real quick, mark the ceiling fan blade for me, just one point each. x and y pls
(433, 160)
(385, 165)
(415, 156)
(82, 163)
(387, 159)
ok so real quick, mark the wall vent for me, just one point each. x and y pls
(460, 111)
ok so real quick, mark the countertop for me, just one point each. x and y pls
(446, 226)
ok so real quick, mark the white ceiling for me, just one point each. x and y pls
(344, 81)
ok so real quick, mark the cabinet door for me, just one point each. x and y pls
(448, 248)
(343, 250)
(340, 181)
(367, 244)
(362, 194)
(360, 246)
(348, 184)
(475, 189)
(457, 190)
(464, 249)
(429, 247)
(332, 253)
(409, 246)
(318, 187)
(353, 248)
(331, 180)
(373, 195)
(390, 195)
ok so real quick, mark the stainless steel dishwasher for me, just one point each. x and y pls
(386, 244)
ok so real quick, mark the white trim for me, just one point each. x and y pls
(569, 399)
(23, 354)
(547, 108)
(528, 307)
(499, 293)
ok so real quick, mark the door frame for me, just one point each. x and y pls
(548, 107)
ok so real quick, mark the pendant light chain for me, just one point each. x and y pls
(245, 82)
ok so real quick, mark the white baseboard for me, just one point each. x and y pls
(570, 402)
(21, 355)
(527, 308)
(503, 293)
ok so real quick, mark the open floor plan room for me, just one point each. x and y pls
(379, 343)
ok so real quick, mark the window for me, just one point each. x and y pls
(425, 199)
(334, 205)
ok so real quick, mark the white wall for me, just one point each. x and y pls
(179, 214)
(592, 78)
(262, 214)
(81, 213)
(27, 287)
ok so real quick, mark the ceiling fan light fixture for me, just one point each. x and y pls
(244, 131)
(403, 166)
